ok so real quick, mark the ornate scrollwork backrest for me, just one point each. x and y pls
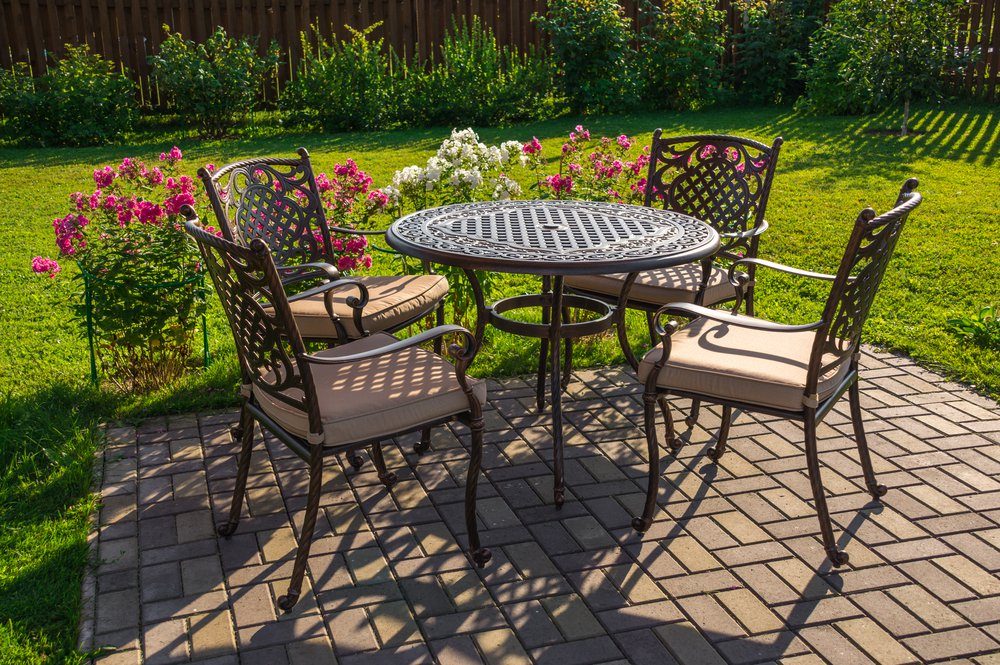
(275, 200)
(722, 180)
(267, 339)
(866, 258)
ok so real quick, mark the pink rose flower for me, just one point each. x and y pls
(45, 266)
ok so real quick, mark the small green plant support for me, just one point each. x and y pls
(88, 303)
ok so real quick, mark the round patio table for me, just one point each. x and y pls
(554, 239)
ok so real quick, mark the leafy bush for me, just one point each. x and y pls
(475, 82)
(982, 328)
(871, 54)
(590, 44)
(82, 100)
(342, 84)
(213, 85)
(681, 47)
(143, 291)
(772, 48)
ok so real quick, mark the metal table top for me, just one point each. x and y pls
(553, 237)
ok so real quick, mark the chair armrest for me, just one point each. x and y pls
(420, 338)
(306, 271)
(331, 286)
(777, 266)
(697, 311)
(358, 232)
(749, 233)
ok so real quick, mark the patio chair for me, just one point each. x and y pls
(722, 180)
(277, 200)
(341, 399)
(794, 371)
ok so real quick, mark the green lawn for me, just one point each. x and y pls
(829, 169)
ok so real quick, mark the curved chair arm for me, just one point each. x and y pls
(697, 311)
(777, 266)
(749, 233)
(307, 271)
(420, 338)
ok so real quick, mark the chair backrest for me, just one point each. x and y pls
(271, 199)
(866, 257)
(722, 180)
(268, 342)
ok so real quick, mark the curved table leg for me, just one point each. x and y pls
(544, 352)
(620, 309)
(558, 487)
(482, 314)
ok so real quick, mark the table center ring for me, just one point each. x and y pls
(606, 321)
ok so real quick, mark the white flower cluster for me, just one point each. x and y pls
(464, 163)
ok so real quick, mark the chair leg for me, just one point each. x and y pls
(244, 433)
(641, 524)
(650, 325)
(837, 557)
(480, 555)
(439, 320)
(877, 491)
(715, 453)
(424, 444)
(668, 420)
(287, 602)
(692, 418)
(386, 477)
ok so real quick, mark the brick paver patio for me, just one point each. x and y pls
(732, 571)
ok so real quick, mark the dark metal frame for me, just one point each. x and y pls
(838, 331)
(556, 328)
(273, 358)
(248, 206)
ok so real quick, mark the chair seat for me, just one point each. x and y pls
(377, 397)
(393, 301)
(662, 286)
(732, 363)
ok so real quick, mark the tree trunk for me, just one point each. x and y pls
(906, 116)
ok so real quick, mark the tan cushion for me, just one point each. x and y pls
(392, 302)
(659, 287)
(760, 367)
(377, 397)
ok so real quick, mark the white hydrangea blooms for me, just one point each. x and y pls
(462, 164)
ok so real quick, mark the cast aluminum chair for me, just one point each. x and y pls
(277, 200)
(341, 399)
(722, 180)
(795, 371)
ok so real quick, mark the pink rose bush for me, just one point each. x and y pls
(143, 293)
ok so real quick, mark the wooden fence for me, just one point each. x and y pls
(128, 31)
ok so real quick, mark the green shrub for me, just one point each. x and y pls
(214, 85)
(590, 43)
(82, 100)
(342, 84)
(872, 54)
(982, 328)
(772, 49)
(475, 82)
(681, 48)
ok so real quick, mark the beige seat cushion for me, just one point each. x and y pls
(659, 287)
(378, 397)
(729, 362)
(392, 302)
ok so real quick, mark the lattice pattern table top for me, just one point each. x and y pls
(553, 237)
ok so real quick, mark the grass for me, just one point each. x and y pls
(830, 168)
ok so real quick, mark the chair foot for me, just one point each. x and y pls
(641, 524)
(691, 421)
(838, 557)
(287, 602)
(481, 557)
(357, 461)
(714, 454)
(226, 530)
(878, 491)
(388, 479)
(421, 447)
(237, 433)
(675, 444)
